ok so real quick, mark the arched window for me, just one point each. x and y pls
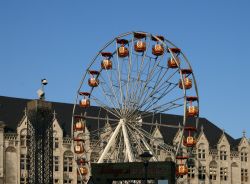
(223, 153)
(243, 154)
(213, 170)
(201, 151)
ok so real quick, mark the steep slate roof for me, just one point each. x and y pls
(12, 111)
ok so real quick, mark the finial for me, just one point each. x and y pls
(223, 131)
(244, 133)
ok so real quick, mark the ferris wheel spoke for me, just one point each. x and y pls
(112, 88)
(170, 107)
(161, 125)
(140, 69)
(135, 138)
(119, 73)
(149, 76)
(108, 98)
(143, 93)
(158, 85)
(104, 106)
(157, 99)
(145, 142)
(150, 137)
(128, 77)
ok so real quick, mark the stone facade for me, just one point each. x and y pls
(214, 164)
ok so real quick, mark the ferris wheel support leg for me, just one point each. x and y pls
(148, 147)
(110, 143)
(127, 143)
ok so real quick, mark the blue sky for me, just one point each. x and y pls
(57, 39)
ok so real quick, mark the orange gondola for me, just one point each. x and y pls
(187, 83)
(85, 102)
(93, 80)
(83, 170)
(158, 48)
(78, 148)
(79, 126)
(106, 62)
(122, 50)
(181, 169)
(173, 62)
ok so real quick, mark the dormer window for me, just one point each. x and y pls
(201, 151)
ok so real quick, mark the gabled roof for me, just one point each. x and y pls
(12, 111)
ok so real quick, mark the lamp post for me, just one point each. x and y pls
(146, 156)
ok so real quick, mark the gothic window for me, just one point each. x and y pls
(244, 175)
(243, 155)
(56, 163)
(223, 173)
(213, 170)
(56, 181)
(201, 151)
(223, 153)
(68, 161)
(202, 172)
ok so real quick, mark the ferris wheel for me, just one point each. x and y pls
(134, 78)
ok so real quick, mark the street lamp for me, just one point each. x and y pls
(146, 156)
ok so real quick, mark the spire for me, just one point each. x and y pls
(156, 124)
(54, 114)
(25, 111)
(202, 128)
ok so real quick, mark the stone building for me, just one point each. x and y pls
(219, 158)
